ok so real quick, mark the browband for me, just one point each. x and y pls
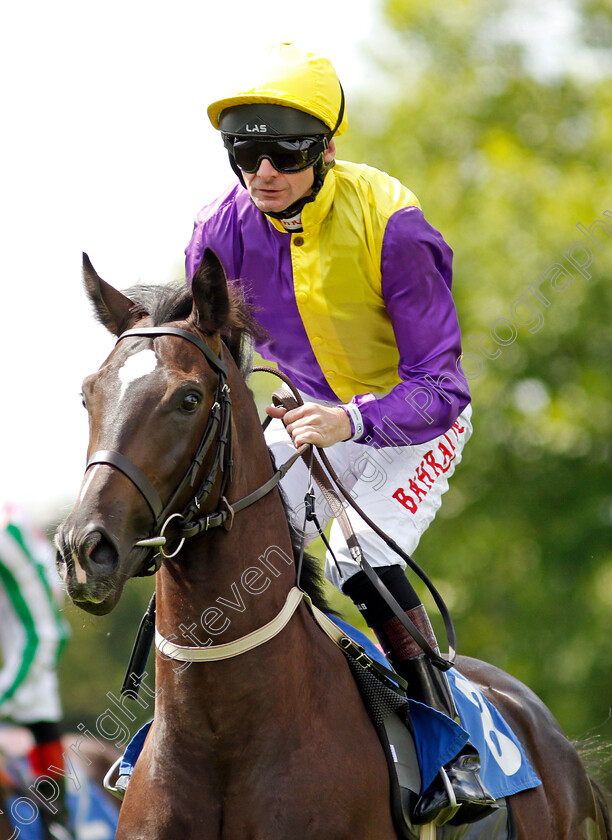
(152, 332)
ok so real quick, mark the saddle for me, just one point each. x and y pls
(388, 710)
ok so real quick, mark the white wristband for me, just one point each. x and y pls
(356, 419)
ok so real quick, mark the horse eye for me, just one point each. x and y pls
(83, 400)
(190, 402)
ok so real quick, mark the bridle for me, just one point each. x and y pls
(190, 521)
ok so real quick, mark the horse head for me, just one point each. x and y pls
(149, 408)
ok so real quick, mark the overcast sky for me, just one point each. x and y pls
(106, 148)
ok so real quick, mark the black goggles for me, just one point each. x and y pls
(284, 155)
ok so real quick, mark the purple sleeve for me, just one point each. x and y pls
(194, 252)
(416, 267)
(211, 225)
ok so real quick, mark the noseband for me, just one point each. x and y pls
(189, 523)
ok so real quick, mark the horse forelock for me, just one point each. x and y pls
(164, 304)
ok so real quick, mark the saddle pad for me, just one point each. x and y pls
(505, 768)
(387, 710)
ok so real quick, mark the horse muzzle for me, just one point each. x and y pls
(88, 563)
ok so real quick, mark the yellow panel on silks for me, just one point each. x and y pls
(337, 278)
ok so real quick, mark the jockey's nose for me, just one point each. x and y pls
(265, 169)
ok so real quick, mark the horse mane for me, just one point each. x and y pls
(173, 302)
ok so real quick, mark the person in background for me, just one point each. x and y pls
(352, 287)
(32, 635)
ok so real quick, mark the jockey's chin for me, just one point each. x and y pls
(272, 191)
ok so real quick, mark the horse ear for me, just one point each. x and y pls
(113, 309)
(211, 305)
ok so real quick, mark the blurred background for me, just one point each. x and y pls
(498, 115)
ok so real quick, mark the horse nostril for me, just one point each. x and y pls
(101, 554)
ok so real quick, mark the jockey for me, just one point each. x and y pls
(32, 634)
(353, 289)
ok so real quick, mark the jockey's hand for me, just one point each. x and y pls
(311, 423)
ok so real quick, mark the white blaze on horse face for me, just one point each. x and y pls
(79, 571)
(88, 481)
(134, 368)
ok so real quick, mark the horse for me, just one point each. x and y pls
(274, 742)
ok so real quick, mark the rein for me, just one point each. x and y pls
(294, 399)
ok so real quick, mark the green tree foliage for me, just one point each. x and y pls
(507, 159)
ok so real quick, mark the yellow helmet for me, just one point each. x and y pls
(294, 78)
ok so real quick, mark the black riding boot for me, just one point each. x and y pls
(457, 793)
(429, 685)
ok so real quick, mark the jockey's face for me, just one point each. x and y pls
(274, 191)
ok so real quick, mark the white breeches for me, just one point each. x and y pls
(400, 488)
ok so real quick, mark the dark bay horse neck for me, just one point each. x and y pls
(224, 585)
(241, 576)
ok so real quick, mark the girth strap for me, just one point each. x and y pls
(134, 473)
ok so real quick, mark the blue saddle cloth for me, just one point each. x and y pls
(505, 768)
